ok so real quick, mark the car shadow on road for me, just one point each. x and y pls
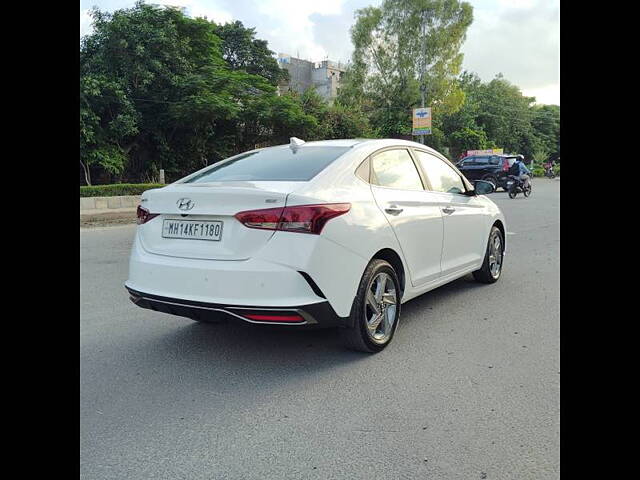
(264, 356)
(415, 308)
(241, 342)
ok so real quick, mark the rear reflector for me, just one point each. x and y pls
(301, 218)
(275, 318)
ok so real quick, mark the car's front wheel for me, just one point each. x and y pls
(376, 309)
(492, 179)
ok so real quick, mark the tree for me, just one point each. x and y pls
(335, 120)
(107, 121)
(242, 51)
(156, 93)
(505, 115)
(400, 46)
(467, 139)
(540, 156)
(546, 125)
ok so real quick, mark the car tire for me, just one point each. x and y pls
(364, 334)
(492, 179)
(494, 254)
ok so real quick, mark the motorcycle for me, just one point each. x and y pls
(515, 185)
(549, 173)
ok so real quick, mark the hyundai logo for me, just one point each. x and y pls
(185, 204)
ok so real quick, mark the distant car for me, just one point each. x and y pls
(492, 168)
(333, 233)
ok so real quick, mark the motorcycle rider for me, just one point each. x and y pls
(519, 170)
(548, 167)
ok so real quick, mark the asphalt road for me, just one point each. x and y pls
(469, 388)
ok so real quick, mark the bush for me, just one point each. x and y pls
(117, 189)
(537, 171)
(556, 169)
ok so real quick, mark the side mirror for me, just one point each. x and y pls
(482, 187)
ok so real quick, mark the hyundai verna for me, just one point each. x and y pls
(328, 233)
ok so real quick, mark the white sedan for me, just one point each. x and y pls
(328, 233)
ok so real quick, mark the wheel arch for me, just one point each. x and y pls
(498, 223)
(391, 256)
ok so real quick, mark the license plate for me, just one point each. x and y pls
(192, 229)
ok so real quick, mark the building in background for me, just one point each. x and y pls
(303, 74)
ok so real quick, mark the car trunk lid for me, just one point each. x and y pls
(206, 204)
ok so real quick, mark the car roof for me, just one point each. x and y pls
(491, 155)
(347, 142)
(363, 142)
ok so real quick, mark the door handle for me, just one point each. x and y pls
(448, 210)
(393, 210)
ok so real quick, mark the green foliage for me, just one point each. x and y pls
(117, 189)
(505, 116)
(556, 169)
(333, 121)
(158, 93)
(398, 47)
(546, 125)
(541, 155)
(537, 171)
(160, 90)
(467, 139)
(242, 51)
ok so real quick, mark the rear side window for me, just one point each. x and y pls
(482, 160)
(495, 160)
(272, 164)
(363, 171)
(395, 169)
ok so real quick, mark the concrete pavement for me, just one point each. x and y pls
(468, 389)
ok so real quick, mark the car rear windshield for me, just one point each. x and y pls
(272, 164)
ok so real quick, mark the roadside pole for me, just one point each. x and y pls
(422, 89)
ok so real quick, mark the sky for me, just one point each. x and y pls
(518, 38)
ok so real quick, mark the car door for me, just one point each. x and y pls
(468, 168)
(413, 213)
(464, 216)
(482, 168)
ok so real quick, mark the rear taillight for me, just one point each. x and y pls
(302, 218)
(505, 166)
(144, 216)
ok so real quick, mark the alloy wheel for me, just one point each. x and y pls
(495, 255)
(380, 308)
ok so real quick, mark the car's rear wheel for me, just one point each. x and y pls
(376, 309)
(493, 258)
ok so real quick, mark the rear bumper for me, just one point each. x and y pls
(315, 314)
(291, 269)
(252, 282)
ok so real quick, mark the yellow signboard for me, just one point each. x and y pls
(494, 151)
(422, 121)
